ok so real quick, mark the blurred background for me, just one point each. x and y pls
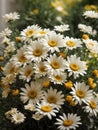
(6, 6)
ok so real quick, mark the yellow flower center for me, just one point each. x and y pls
(28, 72)
(52, 43)
(58, 78)
(42, 32)
(15, 92)
(32, 94)
(90, 80)
(37, 52)
(12, 70)
(18, 39)
(92, 85)
(22, 58)
(91, 44)
(35, 11)
(85, 36)
(52, 99)
(95, 72)
(68, 84)
(29, 33)
(70, 43)
(62, 54)
(72, 103)
(42, 69)
(69, 98)
(55, 65)
(67, 122)
(90, 7)
(46, 108)
(46, 83)
(74, 67)
(80, 93)
(92, 104)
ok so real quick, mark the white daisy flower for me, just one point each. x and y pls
(87, 29)
(8, 79)
(54, 97)
(81, 93)
(30, 107)
(15, 116)
(90, 14)
(37, 116)
(72, 43)
(42, 33)
(11, 69)
(32, 93)
(20, 59)
(9, 49)
(61, 28)
(44, 81)
(18, 118)
(36, 51)
(26, 72)
(11, 16)
(6, 41)
(55, 64)
(54, 41)
(46, 109)
(7, 32)
(40, 69)
(59, 78)
(92, 45)
(11, 112)
(69, 121)
(75, 66)
(28, 34)
(92, 107)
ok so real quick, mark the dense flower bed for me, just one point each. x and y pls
(53, 78)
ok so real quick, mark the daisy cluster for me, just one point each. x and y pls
(53, 76)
